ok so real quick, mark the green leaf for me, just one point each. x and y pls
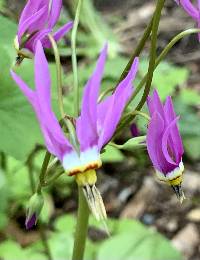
(61, 245)
(189, 96)
(65, 223)
(20, 130)
(10, 250)
(134, 241)
(191, 145)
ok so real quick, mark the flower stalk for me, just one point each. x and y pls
(81, 226)
(156, 20)
(163, 54)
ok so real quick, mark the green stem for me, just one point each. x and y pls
(162, 56)
(136, 112)
(53, 178)
(74, 58)
(158, 60)
(45, 240)
(59, 75)
(3, 161)
(32, 184)
(156, 20)
(43, 171)
(81, 227)
(136, 53)
(137, 50)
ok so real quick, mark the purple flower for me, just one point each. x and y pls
(38, 19)
(164, 143)
(97, 121)
(191, 9)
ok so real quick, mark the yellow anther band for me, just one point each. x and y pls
(85, 178)
(176, 181)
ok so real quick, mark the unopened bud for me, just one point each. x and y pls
(35, 205)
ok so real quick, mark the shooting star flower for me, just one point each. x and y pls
(37, 20)
(164, 143)
(94, 127)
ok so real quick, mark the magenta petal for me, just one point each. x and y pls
(31, 43)
(154, 104)
(31, 7)
(40, 99)
(110, 110)
(190, 9)
(154, 144)
(165, 147)
(54, 13)
(33, 23)
(175, 138)
(43, 83)
(86, 126)
(58, 35)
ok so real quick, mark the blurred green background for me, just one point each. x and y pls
(145, 220)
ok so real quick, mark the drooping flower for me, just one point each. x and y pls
(164, 142)
(191, 9)
(37, 20)
(94, 127)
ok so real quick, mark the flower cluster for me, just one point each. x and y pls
(80, 154)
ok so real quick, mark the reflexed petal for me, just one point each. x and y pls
(110, 110)
(33, 23)
(154, 104)
(54, 13)
(58, 35)
(190, 9)
(31, 7)
(154, 144)
(43, 83)
(86, 125)
(165, 147)
(175, 138)
(31, 43)
(55, 140)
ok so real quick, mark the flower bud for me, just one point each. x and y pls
(35, 205)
